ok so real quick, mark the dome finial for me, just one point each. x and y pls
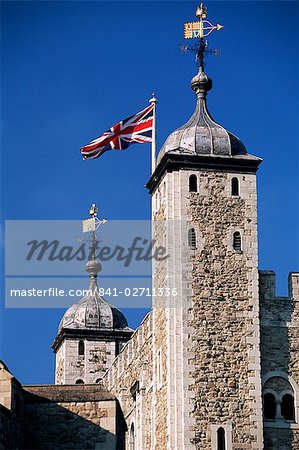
(201, 83)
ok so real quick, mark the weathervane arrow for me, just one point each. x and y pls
(200, 29)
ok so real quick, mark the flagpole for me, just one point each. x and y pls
(154, 101)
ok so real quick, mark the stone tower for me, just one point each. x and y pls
(207, 368)
(90, 335)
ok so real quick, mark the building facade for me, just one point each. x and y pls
(214, 365)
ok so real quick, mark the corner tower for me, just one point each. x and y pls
(207, 373)
(90, 334)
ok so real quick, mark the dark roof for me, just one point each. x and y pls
(46, 393)
(202, 135)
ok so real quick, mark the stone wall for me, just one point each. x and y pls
(11, 410)
(160, 314)
(130, 380)
(64, 417)
(90, 367)
(209, 332)
(280, 356)
(225, 313)
(61, 417)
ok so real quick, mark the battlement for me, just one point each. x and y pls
(278, 310)
(267, 285)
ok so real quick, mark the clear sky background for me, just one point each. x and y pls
(71, 69)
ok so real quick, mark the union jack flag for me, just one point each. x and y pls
(134, 129)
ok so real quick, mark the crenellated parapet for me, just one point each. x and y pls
(277, 310)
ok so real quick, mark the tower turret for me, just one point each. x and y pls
(206, 340)
(90, 335)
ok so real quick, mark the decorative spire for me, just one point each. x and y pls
(93, 266)
(201, 135)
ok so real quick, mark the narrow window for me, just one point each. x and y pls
(81, 348)
(118, 347)
(192, 239)
(159, 369)
(79, 382)
(287, 407)
(269, 406)
(235, 186)
(237, 245)
(193, 183)
(221, 439)
(98, 380)
(132, 437)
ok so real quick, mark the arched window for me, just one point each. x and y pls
(237, 243)
(269, 406)
(287, 407)
(221, 439)
(192, 239)
(193, 183)
(81, 348)
(132, 437)
(279, 398)
(235, 186)
(79, 381)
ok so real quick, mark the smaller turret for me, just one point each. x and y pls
(90, 335)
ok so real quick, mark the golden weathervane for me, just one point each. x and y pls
(200, 30)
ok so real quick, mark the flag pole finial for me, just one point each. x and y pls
(153, 99)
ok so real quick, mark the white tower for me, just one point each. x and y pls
(207, 374)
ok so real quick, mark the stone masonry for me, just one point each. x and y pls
(90, 367)
(280, 357)
(130, 380)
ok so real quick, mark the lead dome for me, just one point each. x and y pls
(201, 135)
(93, 312)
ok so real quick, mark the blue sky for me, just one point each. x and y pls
(72, 69)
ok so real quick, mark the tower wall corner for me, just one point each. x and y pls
(293, 283)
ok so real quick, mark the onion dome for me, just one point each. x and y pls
(201, 135)
(93, 312)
